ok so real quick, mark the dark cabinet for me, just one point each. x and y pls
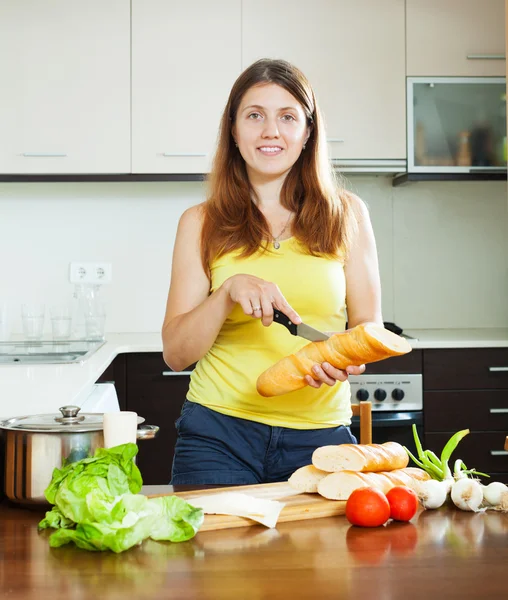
(467, 388)
(466, 369)
(406, 364)
(156, 393)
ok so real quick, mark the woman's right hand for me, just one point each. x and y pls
(257, 298)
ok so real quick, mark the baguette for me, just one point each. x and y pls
(365, 343)
(360, 457)
(306, 479)
(340, 485)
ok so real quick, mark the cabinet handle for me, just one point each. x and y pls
(499, 452)
(498, 369)
(497, 411)
(175, 373)
(182, 154)
(486, 57)
(335, 140)
(44, 154)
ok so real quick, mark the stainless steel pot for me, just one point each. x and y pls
(34, 445)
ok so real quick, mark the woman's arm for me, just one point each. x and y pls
(363, 285)
(193, 317)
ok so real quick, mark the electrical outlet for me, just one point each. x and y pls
(85, 272)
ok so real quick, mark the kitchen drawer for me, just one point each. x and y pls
(408, 363)
(465, 369)
(484, 410)
(143, 366)
(475, 450)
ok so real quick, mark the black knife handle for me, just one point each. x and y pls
(280, 317)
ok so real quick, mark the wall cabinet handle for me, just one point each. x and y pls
(499, 452)
(486, 57)
(497, 411)
(44, 154)
(498, 369)
(175, 373)
(335, 140)
(182, 154)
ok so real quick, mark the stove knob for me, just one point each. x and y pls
(398, 394)
(380, 395)
(362, 394)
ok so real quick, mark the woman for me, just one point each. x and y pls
(275, 231)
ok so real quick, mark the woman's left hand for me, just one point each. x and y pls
(325, 373)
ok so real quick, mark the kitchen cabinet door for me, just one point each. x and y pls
(353, 55)
(185, 58)
(157, 394)
(455, 38)
(64, 106)
(467, 388)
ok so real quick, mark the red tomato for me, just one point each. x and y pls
(403, 503)
(367, 507)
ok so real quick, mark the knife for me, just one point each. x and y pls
(302, 330)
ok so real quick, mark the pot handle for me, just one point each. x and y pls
(147, 432)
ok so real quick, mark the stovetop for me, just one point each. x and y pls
(388, 392)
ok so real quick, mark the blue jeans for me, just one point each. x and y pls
(217, 449)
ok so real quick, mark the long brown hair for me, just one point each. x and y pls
(324, 220)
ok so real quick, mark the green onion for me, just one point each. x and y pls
(450, 446)
(437, 467)
(433, 458)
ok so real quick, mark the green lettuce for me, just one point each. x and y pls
(97, 506)
(133, 519)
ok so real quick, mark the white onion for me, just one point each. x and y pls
(492, 492)
(432, 493)
(467, 494)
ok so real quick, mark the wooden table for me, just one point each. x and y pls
(441, 554)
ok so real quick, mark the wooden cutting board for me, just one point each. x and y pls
(297, 506)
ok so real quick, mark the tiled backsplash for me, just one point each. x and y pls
(443, 247)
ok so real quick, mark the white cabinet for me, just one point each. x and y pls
(65, 73)
(353, 53)
(185, 58)
(455, 38)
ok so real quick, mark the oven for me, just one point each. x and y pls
(395, 388)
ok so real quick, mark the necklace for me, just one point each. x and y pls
(275, 240)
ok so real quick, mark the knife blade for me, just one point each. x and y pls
(301, 330)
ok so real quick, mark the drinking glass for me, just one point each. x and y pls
(32, 318)
(61, 321)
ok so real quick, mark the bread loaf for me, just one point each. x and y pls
(360, 457)
(365, 343)
(340, 485)
(306, 479)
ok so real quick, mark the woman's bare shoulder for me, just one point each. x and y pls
(192, 219)
(358, 206)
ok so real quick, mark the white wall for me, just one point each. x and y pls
(443, 247)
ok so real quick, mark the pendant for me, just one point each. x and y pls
(276, 244)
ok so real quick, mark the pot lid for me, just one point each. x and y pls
(69, 421)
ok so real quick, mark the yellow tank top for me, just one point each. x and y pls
(224, 380)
